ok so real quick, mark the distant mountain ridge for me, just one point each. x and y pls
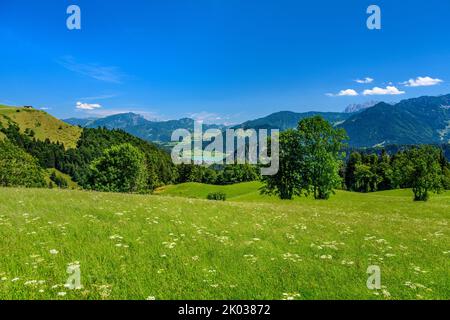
(137, 125)
(284, 120)
(424, 120)
(357, 107)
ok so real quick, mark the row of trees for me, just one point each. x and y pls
(422, 168)
(311, 162)
(219, 175)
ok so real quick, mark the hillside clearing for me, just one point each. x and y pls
(44, 125)
(70, 183)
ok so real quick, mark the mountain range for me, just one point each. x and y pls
(357, 107)
(137, 125)
(424, 120)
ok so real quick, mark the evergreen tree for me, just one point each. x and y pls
(18, 168)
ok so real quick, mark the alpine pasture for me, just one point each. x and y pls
(177, 245)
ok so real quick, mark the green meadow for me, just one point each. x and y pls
(177, 245)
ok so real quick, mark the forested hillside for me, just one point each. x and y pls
(72, 150)
(40, 125)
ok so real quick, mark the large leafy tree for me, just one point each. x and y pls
(18, 168)
(420, 169)
(426, 172)
(364, 178)
(320, 145)
(121, 168)
(310, 159)
(287, 182)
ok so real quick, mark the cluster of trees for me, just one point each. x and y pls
(113, 160)
(218, 175)
(311, 163)
(368, 172)
(48, 154)
(422, 168)
(95, 151)
(96, 143)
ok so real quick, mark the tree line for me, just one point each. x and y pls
(109, 160)
(84, 164)
(312, 162)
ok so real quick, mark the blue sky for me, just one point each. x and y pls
(219, 60)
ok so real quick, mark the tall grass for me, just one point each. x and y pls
(157, 247)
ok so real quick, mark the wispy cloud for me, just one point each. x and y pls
(389, 90)
(343, 93)
(87, 106)
(204, 116)
(215, 118)
(422, 82)
(365, 80)
(95, 71)
(99, 97)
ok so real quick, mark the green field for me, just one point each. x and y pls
(170, 246)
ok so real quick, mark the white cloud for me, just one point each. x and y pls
(88, 106)
(389, 90)
(343, 93)
(365, 80)
(422, 82)
(206, 117)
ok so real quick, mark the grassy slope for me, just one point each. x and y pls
(43, 124)
(132, 246)
(249, 191)
(245, 191)
(71, 184)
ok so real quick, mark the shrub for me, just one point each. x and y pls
(121, 168)
(217, 196)
(18, 168)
